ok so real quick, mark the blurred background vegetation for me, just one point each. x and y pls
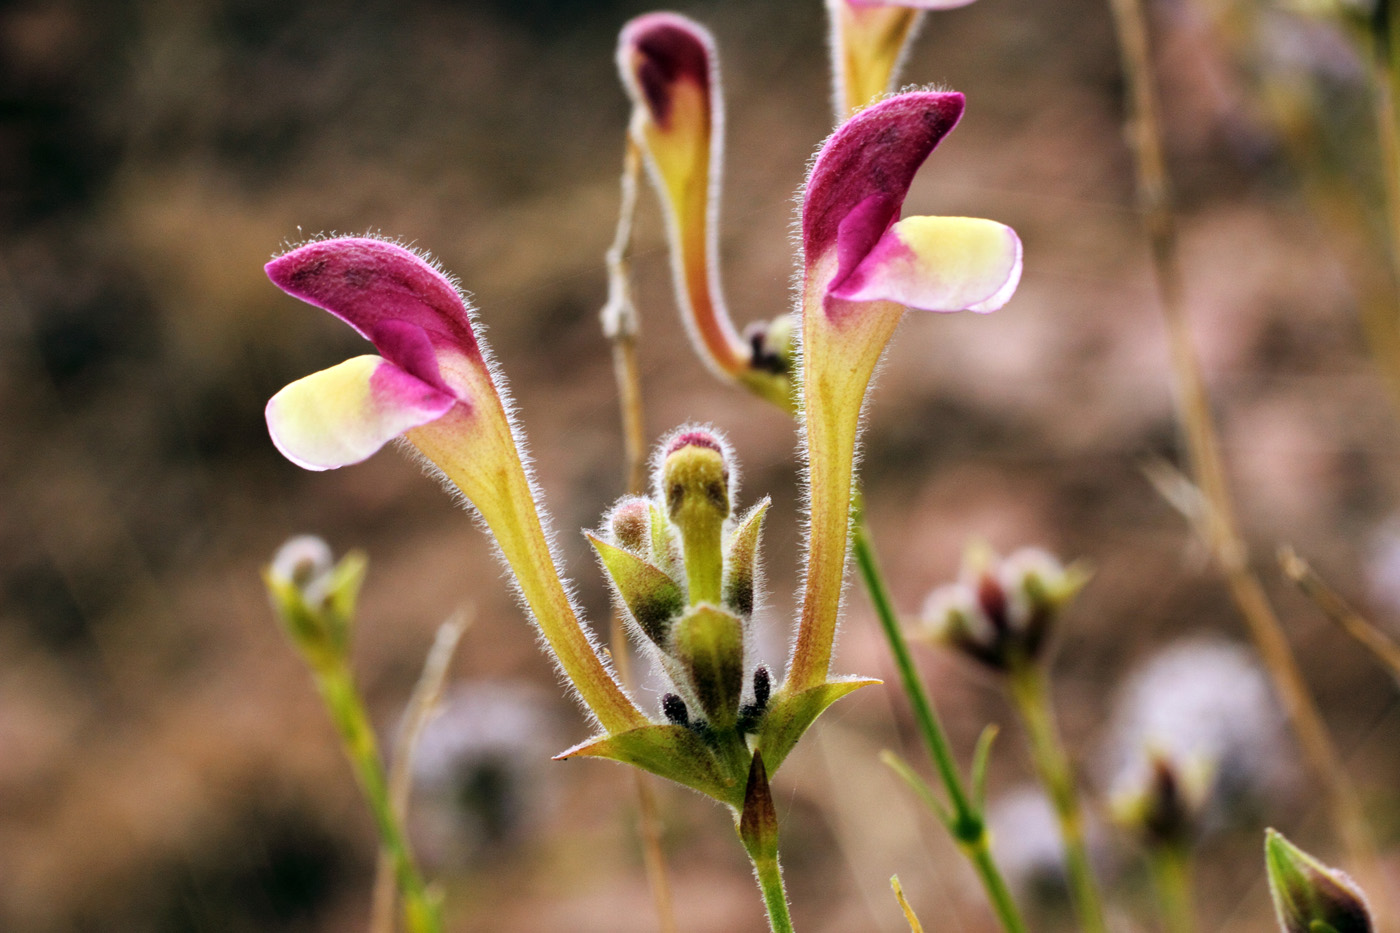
(164, 763)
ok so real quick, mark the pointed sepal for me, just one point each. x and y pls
(758, 821)
(790, 715)
(652, 598)
(673, 752)
(741, 561)
(709, 644)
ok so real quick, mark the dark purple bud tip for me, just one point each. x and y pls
(762, 686)
(663, 50)
(675, 709)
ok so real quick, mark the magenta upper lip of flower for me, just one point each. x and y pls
(864, 171)
(390, 295)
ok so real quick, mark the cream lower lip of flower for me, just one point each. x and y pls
(862, 266)
(414, 317)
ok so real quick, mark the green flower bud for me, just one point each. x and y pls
(314, 597)
(708, 643)
(693, 481)
(1308, 896)
(741, 562)
(653, 600)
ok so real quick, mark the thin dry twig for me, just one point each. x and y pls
(1385, 649)
(1221, 527)
(620, 326)
(914, 925)
(426, 694)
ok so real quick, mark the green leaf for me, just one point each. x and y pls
(981, 755)
(919, 786)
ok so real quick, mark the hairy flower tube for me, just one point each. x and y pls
(863, 265)
(433, 383)
(869, 39)
(670, 70)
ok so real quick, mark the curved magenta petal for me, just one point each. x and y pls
(866, 168)
(344, 414)
(938, 264)
(391, 295)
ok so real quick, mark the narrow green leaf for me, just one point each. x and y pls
(925, 793)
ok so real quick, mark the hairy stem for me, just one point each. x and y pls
(357, 738)
(966, 824)
(1170, 866)
(770, 882)
(1031, 695)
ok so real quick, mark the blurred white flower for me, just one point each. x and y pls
(481, 771)
(1204, 709)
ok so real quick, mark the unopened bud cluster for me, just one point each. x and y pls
(685, 569)
(1003, 610)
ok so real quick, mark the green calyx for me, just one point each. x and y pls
(686, 572)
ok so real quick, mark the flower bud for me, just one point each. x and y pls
(1163, 803)
(1003, 610)
(709, 644)
(758, 821)
(314, 597)
(771, 345)
(693, 481)
(741, 562)
(1308, 896)
(629, 524)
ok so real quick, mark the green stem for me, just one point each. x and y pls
(1170, 866)
(1031, 695)
(967, 825)
(770, 882)
(357, 738)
